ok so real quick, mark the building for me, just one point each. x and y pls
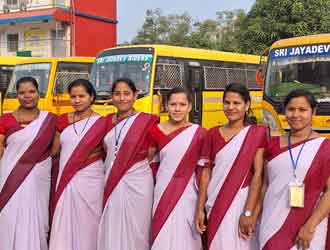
(57, 28)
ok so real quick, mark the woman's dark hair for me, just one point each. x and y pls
(25, 79)
(87, 85)
(243, 91)
(301, 93)
(128, 81)
(179, 90)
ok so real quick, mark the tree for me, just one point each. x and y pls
(230, 24)
(155, 28)
(269, 21)
(204, 35)
(181, 30)
(158, 28)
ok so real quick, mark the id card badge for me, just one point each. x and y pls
(297, 194)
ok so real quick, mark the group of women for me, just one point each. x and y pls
(127, 182)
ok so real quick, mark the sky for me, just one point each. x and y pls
(131, 13)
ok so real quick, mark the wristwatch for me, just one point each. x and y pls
(247, 213)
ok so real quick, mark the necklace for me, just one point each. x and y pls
(74, 124)
(21, 120)
(117, 138)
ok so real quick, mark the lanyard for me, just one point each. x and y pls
(118, 138)
(294, 163)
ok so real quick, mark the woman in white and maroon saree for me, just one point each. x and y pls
(26, 137)
(78, 179)
(231, 180)
(178, 147)
(128, 192)
(296, 207)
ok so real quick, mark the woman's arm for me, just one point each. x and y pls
(247, 223)
(2, 144)
(202, 196)
(322, 210)
(258, 209)
(56, 147)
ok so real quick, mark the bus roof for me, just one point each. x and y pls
(192, 53)
(12, 60)
(57, 59)
(302, 40)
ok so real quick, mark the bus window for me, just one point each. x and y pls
(167, 77)
(215, 77)
(67, 72)
(251, 71)
(231, 65)
(307, 73)
(109, 68)
(219, 77)
(40, 71)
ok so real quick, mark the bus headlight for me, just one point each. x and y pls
(269, 119)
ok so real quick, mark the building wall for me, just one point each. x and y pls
(40, 38)
(89, 29)
(91, 36)
(104, 8)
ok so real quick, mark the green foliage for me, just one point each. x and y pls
(181, 30)
(204, 35)
(157, 28)
(230, 23)
(267, 22)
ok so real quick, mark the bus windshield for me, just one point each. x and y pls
(107, 69)
(297, 70)
(40, 71)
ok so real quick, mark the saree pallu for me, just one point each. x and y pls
(126, 218)
(25, 185)
(77, 201)
(228, 188)
(280, 223)
(175, 194)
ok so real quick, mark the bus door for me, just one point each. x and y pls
(195, 85)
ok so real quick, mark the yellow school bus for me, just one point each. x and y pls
(157, 68)
(53, 76)
(298, 63)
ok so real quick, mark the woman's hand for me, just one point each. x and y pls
(246, 226)
(305, 236)
(199, 222)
